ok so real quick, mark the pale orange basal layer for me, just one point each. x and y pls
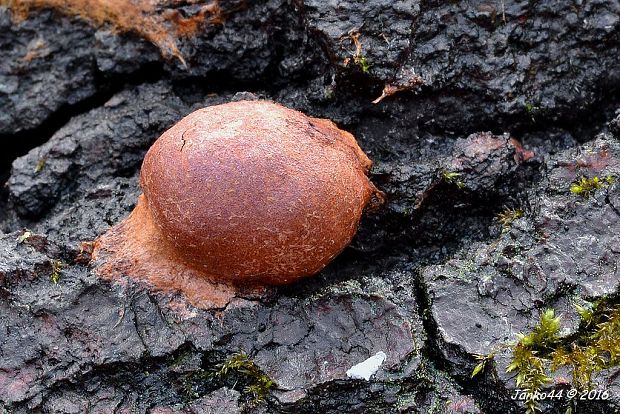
(135, 248)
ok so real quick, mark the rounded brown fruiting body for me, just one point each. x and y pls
(249, 193)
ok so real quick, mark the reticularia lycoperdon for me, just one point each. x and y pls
(246, 193)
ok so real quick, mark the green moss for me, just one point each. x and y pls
(363, 64)
(526, 360)
(260, 384)
(545, 334)
(586, 312)
(358, 57)
(596, 350)
(506, 217)
(586, 186)
(596, 347)
(531, 109)
(583, 360)
(57, 266)
(482, 363)
(531, 373)
(452, 177)
(607, 337)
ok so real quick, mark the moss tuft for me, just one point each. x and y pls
(531, 374)
(595, 348)
(483, 360)
(586, 186)
(526, 360)
(507, 217)
(452, 177)
(545, 334)
(531, 109)
(57, 266)
(358, 57)
(260, 384)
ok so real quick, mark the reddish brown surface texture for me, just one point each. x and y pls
(249, 193)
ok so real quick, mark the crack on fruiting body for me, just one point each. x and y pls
(183, 141)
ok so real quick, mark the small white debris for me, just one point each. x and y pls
(366, 369)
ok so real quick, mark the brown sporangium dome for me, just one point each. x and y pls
(239, 195)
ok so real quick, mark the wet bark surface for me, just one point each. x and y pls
(486, 106)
